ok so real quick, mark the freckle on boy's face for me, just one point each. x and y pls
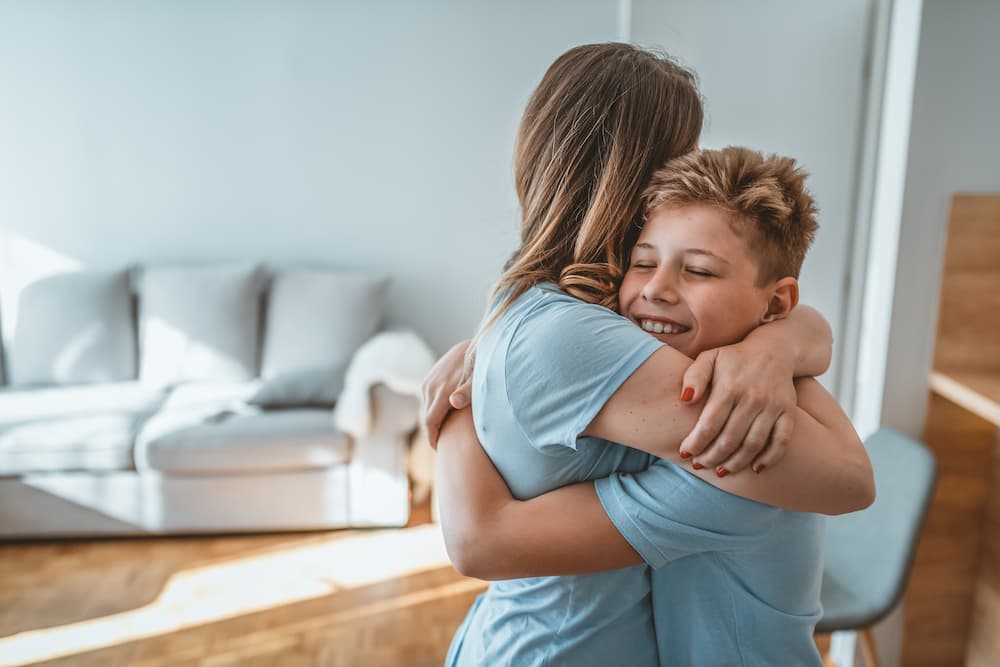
(691, 280)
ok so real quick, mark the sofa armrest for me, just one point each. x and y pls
(393, 413)
(378, 481)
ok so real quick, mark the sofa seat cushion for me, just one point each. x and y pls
(90, 427)
(235, 443)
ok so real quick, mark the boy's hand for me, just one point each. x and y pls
(448, 385)
(749, 416)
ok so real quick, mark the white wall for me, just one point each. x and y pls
(789, 77)
(954, 147)
(373, 135)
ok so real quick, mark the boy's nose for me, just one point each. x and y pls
(661, 288)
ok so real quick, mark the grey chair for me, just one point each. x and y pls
(869, 553)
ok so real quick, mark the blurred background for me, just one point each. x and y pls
(379, 136)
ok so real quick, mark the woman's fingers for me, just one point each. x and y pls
(461, 397)
(710, 424)
(698, 376)
(730, 439)
(435, 409)
(780, 437)
(754, 444)
(448, 376)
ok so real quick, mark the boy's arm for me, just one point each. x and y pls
(491, 535)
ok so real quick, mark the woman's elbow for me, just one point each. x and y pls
(470, 553)
(867, 493)
(860, 494)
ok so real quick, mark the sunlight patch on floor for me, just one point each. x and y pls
(242, 586)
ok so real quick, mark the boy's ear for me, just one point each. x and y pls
(784, 297)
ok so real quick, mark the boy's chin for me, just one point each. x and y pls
(679, 342)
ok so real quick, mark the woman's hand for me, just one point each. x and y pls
(752, 401)
(749, 416)
(447, 386)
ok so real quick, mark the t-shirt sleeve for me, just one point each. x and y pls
(666, 513)
(564, 361)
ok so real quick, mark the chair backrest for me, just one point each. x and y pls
(869, 553)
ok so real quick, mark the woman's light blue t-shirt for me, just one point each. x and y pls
(738, 581)
(543, 371)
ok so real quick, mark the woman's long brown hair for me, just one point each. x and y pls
(603, 118)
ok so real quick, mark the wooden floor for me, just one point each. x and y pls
(238, 600)
(338, 598)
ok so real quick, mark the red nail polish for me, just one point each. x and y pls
(697, 466)
(721, 472)
(685, 455)
(687, 394)
(758, 468)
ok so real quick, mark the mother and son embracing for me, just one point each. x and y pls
(645, 460)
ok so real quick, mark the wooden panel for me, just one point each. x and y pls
(984, 636)
(978, 393)
(943, 583)
(968, 333)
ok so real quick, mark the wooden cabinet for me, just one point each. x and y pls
(953, 601)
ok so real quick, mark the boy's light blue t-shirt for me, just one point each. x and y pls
(739, 579)
(736, 582)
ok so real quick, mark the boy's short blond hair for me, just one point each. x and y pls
(765, 195)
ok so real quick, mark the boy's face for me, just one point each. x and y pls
(693, 278)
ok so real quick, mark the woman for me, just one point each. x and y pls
(603, 117)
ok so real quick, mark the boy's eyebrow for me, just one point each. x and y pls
(691, 251)
(702, 251)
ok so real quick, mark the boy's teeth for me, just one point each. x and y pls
(657, 327)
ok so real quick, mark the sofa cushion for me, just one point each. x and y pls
(90, 427)
(316, 320)
(189, 405)
(315, 387)
(234, 443)
(73, 328)
(198, 323)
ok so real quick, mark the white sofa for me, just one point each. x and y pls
(191, 399)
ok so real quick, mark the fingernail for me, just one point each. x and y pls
(697, 466)
(687, 394)
(685, 455)
(758, 468)
(721, 472)
(458, 400)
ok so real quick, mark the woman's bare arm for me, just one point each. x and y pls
(491, 535)
(829, 473)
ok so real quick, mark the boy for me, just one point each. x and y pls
(724, 237)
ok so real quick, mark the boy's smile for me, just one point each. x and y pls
(692, 280)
